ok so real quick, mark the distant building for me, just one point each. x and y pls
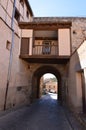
(52, 86)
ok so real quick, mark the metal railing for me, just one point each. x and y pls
(45, 50)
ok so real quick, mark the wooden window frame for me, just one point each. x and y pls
(17, 15)
(46, 49)
(8, 45)
(27, 13)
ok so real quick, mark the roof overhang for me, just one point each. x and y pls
(45, 59)
(45, 25)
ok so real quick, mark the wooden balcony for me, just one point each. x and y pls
(45, 50)
(44, 54)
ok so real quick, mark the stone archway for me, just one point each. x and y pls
(36, 80)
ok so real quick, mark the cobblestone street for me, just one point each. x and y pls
(44, 114)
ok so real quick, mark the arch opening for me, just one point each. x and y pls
(48, 85)
(38, 74)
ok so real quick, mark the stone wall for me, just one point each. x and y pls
(18, 92)
(35, 67)
(77, 79)
(74, 91)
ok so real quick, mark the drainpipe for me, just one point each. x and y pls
(11, 55)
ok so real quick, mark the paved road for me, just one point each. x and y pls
(44, 114)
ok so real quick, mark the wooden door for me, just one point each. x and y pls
(25, 46)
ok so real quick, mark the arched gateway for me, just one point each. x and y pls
(36, 80)
(46, 42)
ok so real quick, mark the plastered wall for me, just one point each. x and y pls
(74, 84)
(64, 42)
(18, 85)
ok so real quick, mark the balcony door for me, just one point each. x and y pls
(25, 46)
(46, 49)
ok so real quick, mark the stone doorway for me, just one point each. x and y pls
(83, 92)
(36, 80)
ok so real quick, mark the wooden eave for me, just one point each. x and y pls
(45, 59)
(44, 25)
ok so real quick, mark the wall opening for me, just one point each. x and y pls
(81, 90)
(48, 86)
(37, 77)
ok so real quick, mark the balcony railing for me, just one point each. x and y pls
(45, 50)
(42, 54)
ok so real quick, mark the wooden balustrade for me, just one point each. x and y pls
(45, 50)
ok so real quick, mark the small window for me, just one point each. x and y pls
(22, 2)
(17, 15)
(8, 45)
(27, 14)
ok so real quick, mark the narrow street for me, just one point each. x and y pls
(44, 114)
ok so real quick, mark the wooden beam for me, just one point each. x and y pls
(46, 38)
(44, 25)
(46, 59)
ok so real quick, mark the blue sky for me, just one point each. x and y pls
(52, 8)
